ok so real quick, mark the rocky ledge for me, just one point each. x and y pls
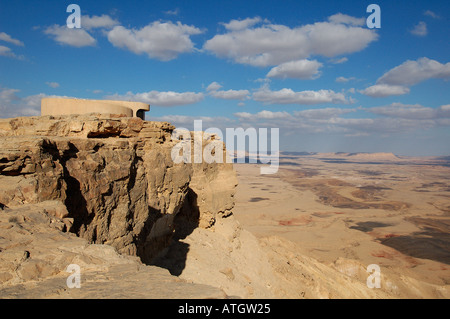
(100, 191)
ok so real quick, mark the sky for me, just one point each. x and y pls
(313, 69)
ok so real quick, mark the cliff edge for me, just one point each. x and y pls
(100, 191)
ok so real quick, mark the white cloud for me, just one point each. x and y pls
(413, 72)
(301, 69)
(325, 113)
(431, 14)
(7, 38)
(8, 95)
(343, 79)
(214, 86)
(72, 37)
(397, 80)
(156, 98)
(174, 12)
(263, 115)
(52, 84)
(346, 19)
(103, 21)
(288, 96)
(384, 90)
(11, 105)
(339, 61)
(414, 111)
(271, 44)
(237, 25)
(5, 51)
(80, 37)
(396, 118)
(420, 29)
(159, 40)
(331, 40)
(185, 121)
(230, 94)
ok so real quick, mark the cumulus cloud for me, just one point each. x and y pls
(339, 61)
(263, 115)
(273, 44)
(214, 90)
(384, 90)
(346, 19)
(288, 96)
(73, 37)
(431, 14)
(302, 69)
(397, 80)
(159, 40)
(7, 38)
(342, 79)
(413, 72)
(103, 21)
(411, 111)
(156, 98)
(8, 95)
(230, 94)
(236, 25)
(80, 37)
(420, 29)
(214, 86)
(12, 105)
(395, 118)
(7, 52)
(325, 113)
(307, 121)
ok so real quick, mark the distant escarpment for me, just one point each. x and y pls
(109, 180)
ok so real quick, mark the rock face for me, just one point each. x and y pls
(109, 180)
(35, 255)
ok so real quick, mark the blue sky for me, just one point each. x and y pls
(311, 68)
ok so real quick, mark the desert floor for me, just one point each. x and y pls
(343, 210)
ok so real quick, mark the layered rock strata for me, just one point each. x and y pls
(109, 180)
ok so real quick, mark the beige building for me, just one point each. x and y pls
(63, 106)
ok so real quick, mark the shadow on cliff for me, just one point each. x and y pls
(173, 258)
(75, 202)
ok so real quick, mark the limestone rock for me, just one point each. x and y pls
(34, 256)
(106, 179)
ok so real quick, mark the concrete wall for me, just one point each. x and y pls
(62, 106)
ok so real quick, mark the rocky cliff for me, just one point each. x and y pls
(98, 179)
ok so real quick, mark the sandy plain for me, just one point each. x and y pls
(327, 212)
